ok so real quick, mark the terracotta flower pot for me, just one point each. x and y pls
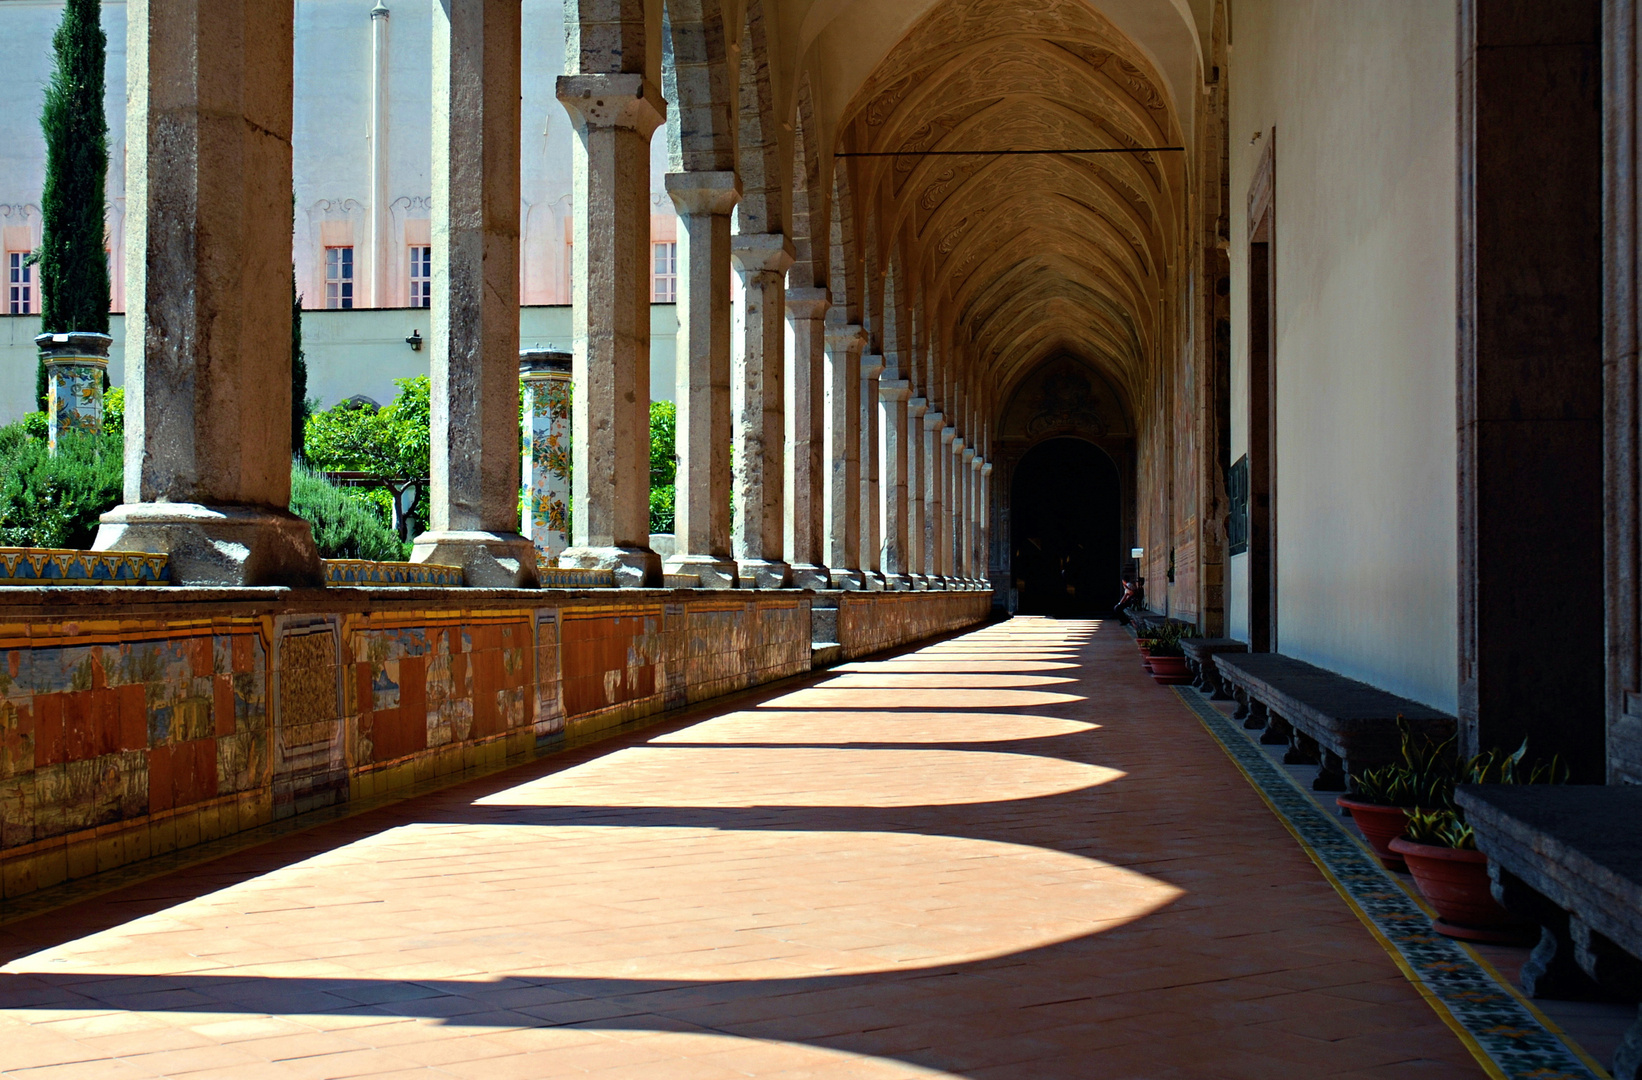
(1380, 825)
(1170, 670)
(1455, 881)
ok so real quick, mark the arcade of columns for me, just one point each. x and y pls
(877, 337)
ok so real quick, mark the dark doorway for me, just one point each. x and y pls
(1066, 530)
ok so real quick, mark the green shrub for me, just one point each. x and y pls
(345, 526)
(114, 409)
(55, 502)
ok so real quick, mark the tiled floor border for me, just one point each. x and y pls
(1510, 1038)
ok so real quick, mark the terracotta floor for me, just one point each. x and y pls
(1008, 854)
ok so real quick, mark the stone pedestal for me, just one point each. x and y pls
(613, 116)
(803, 478)
(474, 343)
(757, 405)
(76, 364)
(704, 201)
(842, 455)
(208, 363)
(545, 381)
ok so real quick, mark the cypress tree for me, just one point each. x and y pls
(74, 284)
(299, 378)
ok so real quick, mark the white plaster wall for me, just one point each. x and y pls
(1364, 102)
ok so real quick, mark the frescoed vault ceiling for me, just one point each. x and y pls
(1025, 257)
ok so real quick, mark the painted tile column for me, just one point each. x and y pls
(208, 252)
(917, 570)
(934, 491)
(758, 404)
(613, 116)
(76, 364)
(872, 575)
(892, 395)
(545, 378)
(704, 201)
(803, 479)
(842, 455)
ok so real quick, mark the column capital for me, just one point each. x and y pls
(957, 445)
(948, 434)
(872, 366)
(703, 192)
(979, 464)
(934, 421)
(807, 303)
(537, 365)
(894, 389)
(612, 101)
(757, 253)
(916, 407)
(969, 454)
(846, 337)
(986, 468)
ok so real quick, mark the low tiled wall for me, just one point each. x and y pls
(870, 622)
(138, 721)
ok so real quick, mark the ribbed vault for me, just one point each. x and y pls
(1023, 257)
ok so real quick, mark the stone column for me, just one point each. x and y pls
(972, 536)
(208, 258)
(916, 482)
(757, 402)
(474, 344)
(704, 201)
(804, 480)
(967, 502)
(545, 377)
(986, 523)
(952, 448)
(872, 569)
(934, 492)
(893, 394)
(842, 455)
(614, 116)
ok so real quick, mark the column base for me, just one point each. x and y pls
(897, 583)
(811, 576)
(488, 560)
(762, 574)
(635, 567)
(847, 580)
(872, 581)
(714, 573)
(217, 545)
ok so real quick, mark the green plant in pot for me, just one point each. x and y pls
(1167, 659)
(1441, 850)
(1380, 799)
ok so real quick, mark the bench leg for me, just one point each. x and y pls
(1332, 777)
(1552, 969)
(1277, 731)
(1217, 689)
(1242, 710)
(1302, 750)
(1256, 716)
(1627, 1060)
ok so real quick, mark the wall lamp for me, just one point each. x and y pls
(415, 340)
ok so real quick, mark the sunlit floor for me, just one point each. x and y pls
(1008, 854)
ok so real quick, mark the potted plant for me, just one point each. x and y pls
(1380, 799)
(1441, 851)
(1167, 659)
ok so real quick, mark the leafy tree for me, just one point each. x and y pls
(391, 445)
(663, 464)
(299, 376)
(74, 283)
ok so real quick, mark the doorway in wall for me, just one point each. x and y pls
(1066, 530)
(1262, 474)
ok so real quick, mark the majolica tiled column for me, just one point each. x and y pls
(704, 201)
(545, 381)
(805, 481)
(208, 327)
(757, 403)
(76, 364)
(935, 456)
(872, 571)
(473, 512)
(842, 455)
(893, 394)
(916, 569)
(614, 116)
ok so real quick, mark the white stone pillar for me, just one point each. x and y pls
(951, 450)
(916, 570)
(804, 477)
(545, 378)
(704, 201)
(935, 456)
(872, 576)
(382, 249)
(893, 394)
(757, 401)
(842, 455)
(969, 502)
(986, 523)
(614, 116)
(208, 262)
(473, 519)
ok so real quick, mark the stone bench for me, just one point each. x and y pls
(1200, 653)
(1570, 858)
(1326, 719)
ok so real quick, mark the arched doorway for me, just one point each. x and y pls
(1066, 528)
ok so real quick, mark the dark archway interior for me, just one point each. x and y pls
(1066, 525)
